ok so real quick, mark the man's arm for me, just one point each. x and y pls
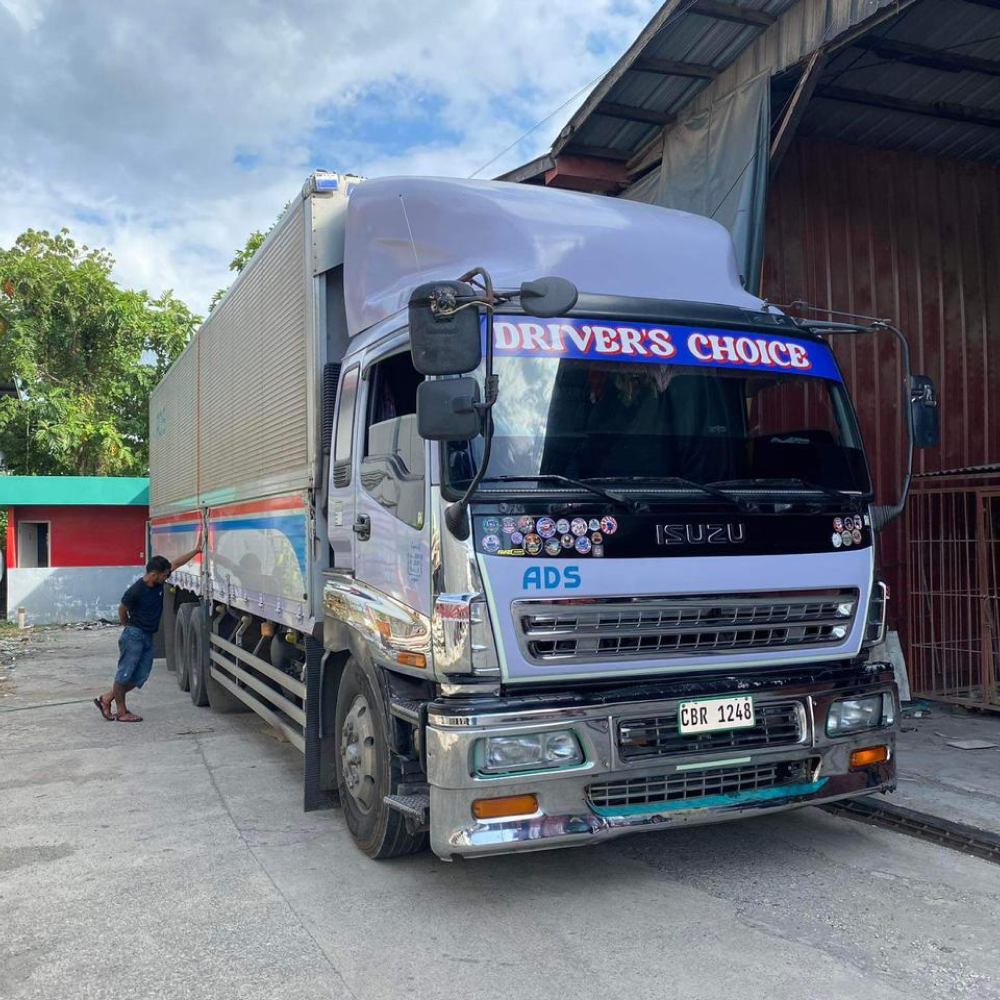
(188, 556)
(123, 614)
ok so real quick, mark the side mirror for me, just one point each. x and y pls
(447, 409)
(924, 412)
(444, 338)
(548, 297)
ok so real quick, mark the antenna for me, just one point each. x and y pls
(413, 243)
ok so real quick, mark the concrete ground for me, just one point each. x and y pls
(944, 780)
(172, 859)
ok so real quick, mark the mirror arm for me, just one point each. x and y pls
(456, 516)
(884, 514)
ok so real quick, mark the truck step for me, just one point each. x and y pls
(405, 709)
(414, 806)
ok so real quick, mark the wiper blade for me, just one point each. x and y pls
(690, 484)
(805, 484)
(551, 477)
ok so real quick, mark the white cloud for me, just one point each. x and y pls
(167, 130)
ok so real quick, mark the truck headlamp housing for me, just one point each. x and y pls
(462, 636)
(878, 609)
(858, 715)
(529, 752)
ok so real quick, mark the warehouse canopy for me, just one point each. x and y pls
(73, 491)
(702, 107)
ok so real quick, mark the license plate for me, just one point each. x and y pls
(713, 715)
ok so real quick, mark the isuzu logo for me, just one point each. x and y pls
(700, 534)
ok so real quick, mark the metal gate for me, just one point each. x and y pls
(953, 641)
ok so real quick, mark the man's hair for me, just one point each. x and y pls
(158, 564)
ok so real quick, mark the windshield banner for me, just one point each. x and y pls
(658, 344)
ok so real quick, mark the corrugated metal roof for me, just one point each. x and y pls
(73, 491)
(955, 27)
(688, 37)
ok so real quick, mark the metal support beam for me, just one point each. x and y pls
(921, 55)
(601, 152)
(633, 114)
(939, 109)
(666, 67)
(729, 12)
(797, 105)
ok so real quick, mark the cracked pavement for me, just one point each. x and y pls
(172, 859)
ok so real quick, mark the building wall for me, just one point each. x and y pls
(86, 536)
(57, 596)
(914, 239)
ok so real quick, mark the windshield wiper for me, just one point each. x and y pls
(551, 477)
(689, 484)
(804, 484)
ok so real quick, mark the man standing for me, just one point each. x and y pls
(139, 612)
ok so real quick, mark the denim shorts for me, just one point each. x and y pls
(135, 656)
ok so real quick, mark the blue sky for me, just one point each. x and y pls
(167, 130)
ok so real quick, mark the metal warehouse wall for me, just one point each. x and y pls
(915, 239)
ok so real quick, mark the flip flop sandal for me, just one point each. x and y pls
(130, 717)
(105, 710)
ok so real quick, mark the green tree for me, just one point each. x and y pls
(85, 353)
(242, 256)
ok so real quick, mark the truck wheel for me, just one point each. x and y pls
(181, 626)
(196, 657)
(365, 772)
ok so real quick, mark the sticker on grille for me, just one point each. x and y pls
(777, 725)
(689, 785)
(659, 627)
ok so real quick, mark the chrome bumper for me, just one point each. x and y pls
(567, 817)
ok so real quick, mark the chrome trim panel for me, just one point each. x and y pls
(643, 628)
(389, 627)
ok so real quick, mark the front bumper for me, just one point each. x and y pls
(814, 769)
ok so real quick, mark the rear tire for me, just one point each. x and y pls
(168, 625)
(181, 627)
(197, 657)
(366, 773)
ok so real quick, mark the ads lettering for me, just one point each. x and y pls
(550, 578)
(700, 534)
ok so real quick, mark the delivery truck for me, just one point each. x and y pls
(525, 522)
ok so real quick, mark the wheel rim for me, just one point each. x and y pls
(358, 758)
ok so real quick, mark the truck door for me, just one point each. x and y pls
(341, 494)
(392, 552)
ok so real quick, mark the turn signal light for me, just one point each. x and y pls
(412, 660)
(508, 805)
(870, 755)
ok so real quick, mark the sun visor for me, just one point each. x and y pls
(404, 231)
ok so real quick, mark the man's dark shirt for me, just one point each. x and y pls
(145, 605)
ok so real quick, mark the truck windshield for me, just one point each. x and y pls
(614, 420)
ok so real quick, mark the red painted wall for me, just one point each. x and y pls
(86, 536)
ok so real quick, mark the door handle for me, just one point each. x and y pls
(362, 527)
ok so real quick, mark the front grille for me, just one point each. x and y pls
(691, 785)
(639, 628)
(776, 725)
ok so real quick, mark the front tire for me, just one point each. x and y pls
(366, 773)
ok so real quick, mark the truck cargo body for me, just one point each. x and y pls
(615, 652)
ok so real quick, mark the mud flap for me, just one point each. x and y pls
(315, 795)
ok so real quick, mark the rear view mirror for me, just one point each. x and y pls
(548, 297)
(924, 412)
(447, 409)
(444, 337)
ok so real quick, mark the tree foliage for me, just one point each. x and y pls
(86, 354)
(242, 256)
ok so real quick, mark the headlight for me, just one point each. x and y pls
(855, 715)
(529, 752)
